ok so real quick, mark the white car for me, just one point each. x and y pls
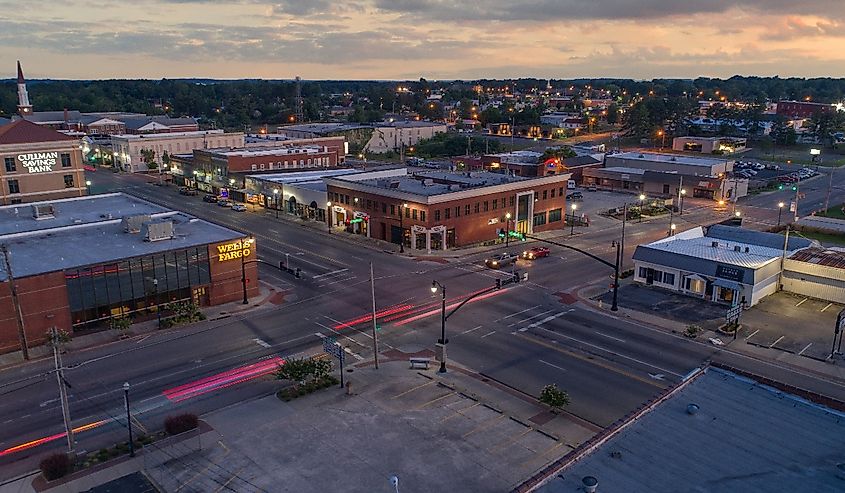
(758, 166)
(238, 207)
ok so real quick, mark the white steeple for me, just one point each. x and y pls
(24, 108)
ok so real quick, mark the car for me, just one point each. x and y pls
(224, 203)
(209, 198)
(592, 188)
(775, 167)
(758, 166)
(500, 260)
(88, 167)
(238, 207)
(575, 196)
(187, 191)
(751, 172)
(535, 253)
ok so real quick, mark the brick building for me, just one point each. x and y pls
(77, 263)
(438, 210)
(39, 164)
(127, 148)
(802, 109)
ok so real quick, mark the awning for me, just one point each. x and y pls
(728, 284)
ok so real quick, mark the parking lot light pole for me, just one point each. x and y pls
(507, 229)
(572, 226)
(780, 210)
(683, 194)
(276, 200)
(128, 418)
(434, 286)
(329, 216)
(615, 306)
(642, 199)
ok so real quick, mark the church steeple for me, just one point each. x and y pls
(24, 108)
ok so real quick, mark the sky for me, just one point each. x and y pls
(435, 39)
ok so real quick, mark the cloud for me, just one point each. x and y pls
(797, 27)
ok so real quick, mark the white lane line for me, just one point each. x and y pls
(541, 322)
(330, 273)
(471, 330)
(828, 306)
(552, 365)
(261, 342)
(139, 341)
(610, 337)
(752, 334)
(801, 302)
(338, 281)
(325, 327)
(805, 348)
(354, 355)
(776, 341)
(612, 352)
(530, 318)
(488, 334)
(273, 231)
(517, 313)
(297, 258)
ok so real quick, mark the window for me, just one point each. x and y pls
(486, 206)
(392, 210)
(512, 198)
(658, 276)
(14, 187)
(560, 191)
(68, 181)
(643, 272)
(545, 194)
(261, 166)
(477, 207)
(553, 193)
(457, 212)
(65, 160)
(495, 204)
(437, 215)
(447, 213)
(554, 215)
(466, 210)
(254, 167)
(414, 214)
(668, 278)
(369, 204)
(666, 188)
(10, 165)
(407, 212)
(422, 216)
(384, 207)
(16, 201)
(540, 219)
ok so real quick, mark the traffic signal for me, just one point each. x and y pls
(498, 284)
(794, 188)
(500, 232)
(780, 186)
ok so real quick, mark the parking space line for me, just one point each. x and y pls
(472, 330)
(544, 453)
(828, 306)
(484, 426)
(801, 302)
(432, 382)
(805, 348)
(511, 440)
(749, 336)
(226, 484)
(435, 400)
(459, 412)
(488, 334)
(776, 341)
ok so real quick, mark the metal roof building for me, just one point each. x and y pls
(817, 273)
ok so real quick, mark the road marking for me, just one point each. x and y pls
(325, 327)
(777, 341)
(261, 343)
(471, 330)
(432, 382)
(552, 365)
(610, 337)
(805, 348)
(345, 279)
(484, 426)
(273, 231)
(488, 334)
(354, 355)
(47, 403)
(330, 273)
(828, 306)
(657, 376)
(801, 302)
(529, 318)
(517, 313)
(752, 334)
(139, 341)
(541, 322)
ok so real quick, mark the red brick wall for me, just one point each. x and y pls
(226, 282)
(238, 163)
(44, 304)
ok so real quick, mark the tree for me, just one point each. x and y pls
(300, 370)
(557, 152)
(553, 397)
(613, 114)
(149, 158)
(783, 133)
(165, 158)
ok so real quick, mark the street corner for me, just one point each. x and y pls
(436, 260)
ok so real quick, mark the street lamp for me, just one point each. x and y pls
(276, 200)
(662, 135)
(88, 186)
(642, 199)
(737, 214)
(507, 229)
(572, 226)
(128, 418)
(158, 308)
(329, 216)
(780, 210)
(683, 194)
(442, 341)
(672, 229)
(402, 228)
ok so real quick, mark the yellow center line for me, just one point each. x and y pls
(413, 389)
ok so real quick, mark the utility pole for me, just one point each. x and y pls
(797, 194)
(16, 301)
(375, 327)
(624, 220)
(55, 341)
(829, 187)
(783, 259)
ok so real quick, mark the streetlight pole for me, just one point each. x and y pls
(572, 225)
(88, 186)
(642, 199)
(615, 306)
(329, 216)
(683, 194)
(780, 210)
(276, 200)
(128, 418)
(402, 228)
(442, 341)
(507, 229)
(243, 277)
(158, 305)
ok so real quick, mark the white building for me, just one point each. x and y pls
(127, 148)
(726, 264)
(391, 136)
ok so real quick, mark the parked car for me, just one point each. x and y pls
(187, 191)
(500, 260)
(758, 166)
(773, 166)
(592, 188)
(535, 253)
(575, 196)
(209, 198)
(224, 203)
(238, 207)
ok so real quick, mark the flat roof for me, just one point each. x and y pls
(265, 151)
(302, 176)
(173, 135)
(621, 169)
(88, 230)
(744, 436)
(320, 128)
(669, 158)
(828, 257)
(441, 181)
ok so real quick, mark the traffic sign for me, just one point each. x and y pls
(331, 346)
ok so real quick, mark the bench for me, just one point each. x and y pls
(419, 362)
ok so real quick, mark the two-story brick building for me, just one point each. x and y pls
(437, 210)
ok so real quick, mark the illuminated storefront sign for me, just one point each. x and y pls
(38, 162)
(234, 250)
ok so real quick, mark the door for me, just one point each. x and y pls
(649, 276)
(395, 234)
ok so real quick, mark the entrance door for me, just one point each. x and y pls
(649, 276)
(395, 234)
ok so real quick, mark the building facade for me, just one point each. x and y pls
(802, 109)
(440, 210)
(709, 145)
(39, 164)
(76, 264)
(677, 163)
(127, 148)
(392, 136)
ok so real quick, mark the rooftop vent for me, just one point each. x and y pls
(394, 184)
(43, 211)
(692, 409)
(737, 248)
(673, 158)
(454, 187)
(157, 230)
(590, 484)
(747, 249)
(714, 244)
(132, 224)
(641, 156)
(428, 182)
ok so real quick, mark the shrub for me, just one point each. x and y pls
(692, 331)
(56, 466)
(180, 423)
(554, 397)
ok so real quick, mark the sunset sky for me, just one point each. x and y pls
(436, 39)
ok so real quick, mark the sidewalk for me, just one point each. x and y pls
(268, 296)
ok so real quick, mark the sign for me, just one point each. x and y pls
(330, 346)
(729, 272)
(733, 313)
(234, 250)
(495, 220)
(38, 162)
(357, 220)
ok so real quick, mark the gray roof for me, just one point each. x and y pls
(82, 233)
(584, 160)
(745, 437)
(669, 158)
(4, 121)
(53, 116)
(323, 128)
(769, 240)
(441, 181)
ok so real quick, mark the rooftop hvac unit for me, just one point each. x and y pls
(714, 244)
(132, 224)
(43, 211)
(428, 182)
(157, 230)
(394, 184)
(454, 188)
(737, 248)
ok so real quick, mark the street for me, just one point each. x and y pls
(525, 335)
